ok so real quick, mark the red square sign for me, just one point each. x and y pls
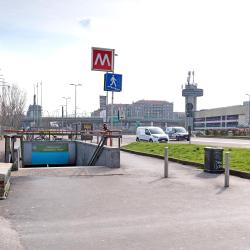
(102, 59)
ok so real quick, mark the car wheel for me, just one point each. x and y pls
(150, 140)
(137, 139)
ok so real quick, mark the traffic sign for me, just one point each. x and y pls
(102, 59)
(113, 82)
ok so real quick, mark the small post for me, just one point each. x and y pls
(22, 149)
(227, 169)
(7, 149)
(110, 139)
(119, 142)
(166, 163)
(12, 147)
(189, 134)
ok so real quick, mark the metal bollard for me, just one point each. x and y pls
(166, 163)
(227, 169)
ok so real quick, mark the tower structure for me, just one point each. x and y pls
(190, 92)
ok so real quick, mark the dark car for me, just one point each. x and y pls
(177, 133)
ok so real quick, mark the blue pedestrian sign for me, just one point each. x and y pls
(113, 82)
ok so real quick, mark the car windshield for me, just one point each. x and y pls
(181, 130)
(156, 131)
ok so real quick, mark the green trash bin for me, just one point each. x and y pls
(213, 162)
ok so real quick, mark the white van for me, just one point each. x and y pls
(151, 134)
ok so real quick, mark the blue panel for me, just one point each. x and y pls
(41, 158)
(113, 82)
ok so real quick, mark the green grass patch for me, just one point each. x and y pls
(239, 157)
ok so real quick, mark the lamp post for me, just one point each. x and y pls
(62, 115)
(66, 99)
(76, 85)
(248, 109)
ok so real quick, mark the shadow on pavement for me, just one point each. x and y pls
(205, 175)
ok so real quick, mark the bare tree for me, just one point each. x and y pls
(12, 103)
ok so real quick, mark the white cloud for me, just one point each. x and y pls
(85, 22)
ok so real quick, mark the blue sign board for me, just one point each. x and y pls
(113, 82)
(53, 153)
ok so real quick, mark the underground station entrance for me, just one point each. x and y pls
(62, 148)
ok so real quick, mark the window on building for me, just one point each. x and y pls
(232, 117)
(200, 125)
(213, 124)
(232, 124)
(199, 119)
(213, 118)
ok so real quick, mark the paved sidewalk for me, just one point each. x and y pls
(128, 208)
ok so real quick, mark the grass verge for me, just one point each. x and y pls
(239, 157)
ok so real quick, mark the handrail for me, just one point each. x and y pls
(51, 134)
(97, 151)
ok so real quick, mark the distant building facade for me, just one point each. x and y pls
(148, 110)
(222, 118)
(143, 113)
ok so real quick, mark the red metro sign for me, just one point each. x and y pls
(102, 59)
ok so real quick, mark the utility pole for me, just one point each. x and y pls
(41, 84)
(34, 104)
(66, 99)
(248, 109)
(37, 102)
(76, 85)
(62, 115)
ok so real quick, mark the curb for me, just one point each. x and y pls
(237, 173)
(226, 137)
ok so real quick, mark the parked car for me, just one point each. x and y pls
(151, 134)
(177, 133)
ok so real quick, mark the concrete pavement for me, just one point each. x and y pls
(128, 208)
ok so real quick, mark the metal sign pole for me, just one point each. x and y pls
(112, 107)
(112, 101)
(107, 102)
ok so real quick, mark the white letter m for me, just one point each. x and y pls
(102, 60)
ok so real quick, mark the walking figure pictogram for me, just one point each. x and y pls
(113, 82)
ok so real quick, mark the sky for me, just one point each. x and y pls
(157, 43)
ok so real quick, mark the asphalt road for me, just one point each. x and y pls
(221, 142)
(128, 208)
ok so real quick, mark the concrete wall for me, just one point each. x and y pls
(5, 171)
(80, 153)
(110, 157)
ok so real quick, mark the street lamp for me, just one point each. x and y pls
(66, 99)
(248, 109)
(76, 85)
